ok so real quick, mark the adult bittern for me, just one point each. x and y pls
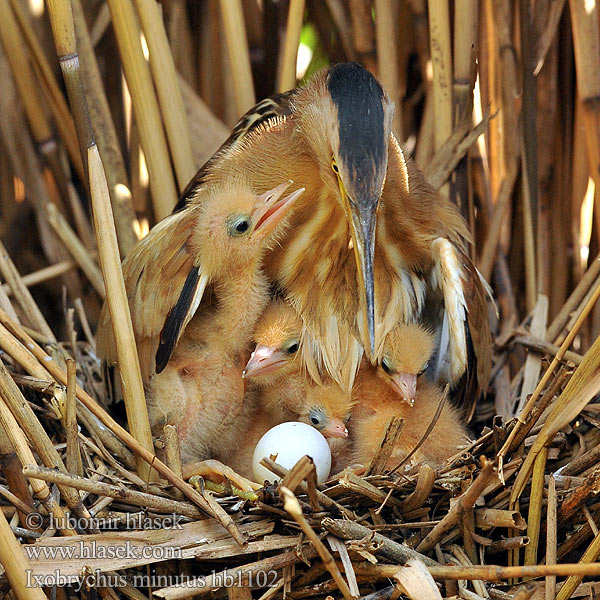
(370, 243)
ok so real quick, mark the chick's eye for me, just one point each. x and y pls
(293, 348)
(239, 226)
(425, 366)
(316, 418)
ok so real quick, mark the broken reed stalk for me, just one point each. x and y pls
(534, 516)
(287, 78)
(589, 556)
(16, 566)
(44, 274)
(145, 108)
(387, 57)
(118, 306)
(50, 364)
(167, 89)
(551, 541)
(292, 506)
(466, 21)
(239, 56)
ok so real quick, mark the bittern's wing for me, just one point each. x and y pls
(274, 106)
(464, 354)
(164, 288)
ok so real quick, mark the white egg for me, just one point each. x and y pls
(290, 442)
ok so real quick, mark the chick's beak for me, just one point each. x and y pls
(406, 385)
(272, 208)
(362, 217)
(263, 360)
(335, 428)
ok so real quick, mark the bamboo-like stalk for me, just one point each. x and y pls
(62, 115)
(167, 88)
(387, 58)
(551, 544)
(105, 133)
(16, 566)
(239, 56)
(439, 39)
(287, 77)
(363, 31)
(466, 21)
(43, 275)
(129, 366)
(145, 107)
(76, 248)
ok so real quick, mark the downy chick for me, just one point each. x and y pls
(406, 355)
(376, 402)
(200, 389)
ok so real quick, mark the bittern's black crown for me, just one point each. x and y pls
(359, 99)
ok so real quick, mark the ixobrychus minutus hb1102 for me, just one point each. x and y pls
(370, 243)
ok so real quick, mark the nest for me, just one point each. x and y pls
(82, 512)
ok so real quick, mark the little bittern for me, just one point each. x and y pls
(406, 354)
(370, 244)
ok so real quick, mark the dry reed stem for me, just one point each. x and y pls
(25, 455)
(121, 433)
(439, 36)
(73, 459)
(16, 565)
(133, 497)
(145, 108)
(551, 538)
(534, 516)
(167, 89)
(62, 115)
(23, 296)
(293, 29)
(128, 360)
(466, 21)
(239, 56)
(548, 373)
(105, 132)
(292, 506)
(44, 274)
(589, 556)
(387, 57)
(76, 248)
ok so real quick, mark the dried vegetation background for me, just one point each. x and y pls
(157, 87)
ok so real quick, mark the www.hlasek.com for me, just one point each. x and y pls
(259, 579)
(139, 520)
(89, 550)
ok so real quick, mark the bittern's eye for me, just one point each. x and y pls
(316, 418)
(292, 348)
(385, 366)
(334, 166)
(238, 226)
(425, 367)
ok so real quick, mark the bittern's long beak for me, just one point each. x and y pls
(406, 385)
(263, 360)
(335, 428)
(272, 208)
(362, 228)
